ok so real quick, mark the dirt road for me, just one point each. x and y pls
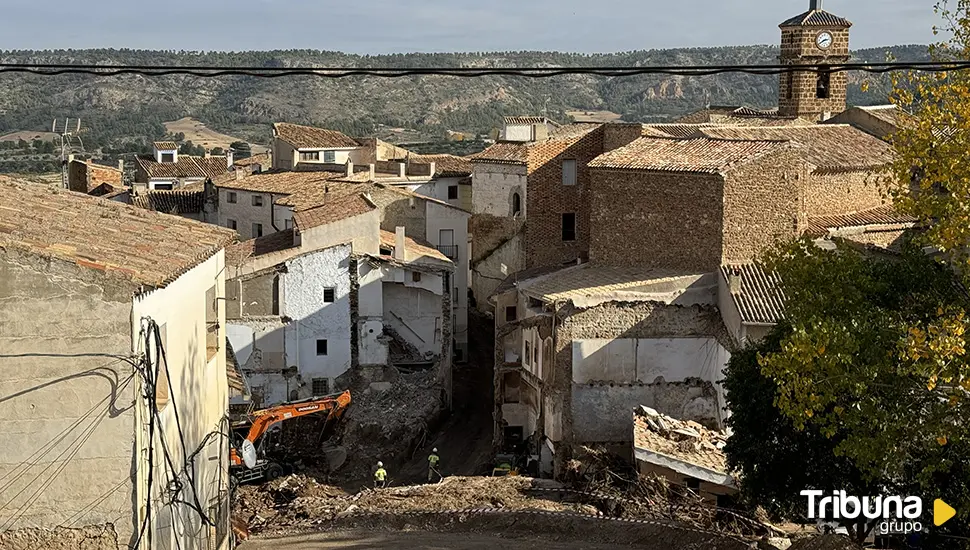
(420, 541)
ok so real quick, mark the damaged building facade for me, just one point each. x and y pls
(334, 300)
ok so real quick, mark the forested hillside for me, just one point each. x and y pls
(119, 111)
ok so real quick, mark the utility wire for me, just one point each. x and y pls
(53, 69)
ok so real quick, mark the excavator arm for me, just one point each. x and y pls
(264, 419)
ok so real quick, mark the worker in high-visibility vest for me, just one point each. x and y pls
(433, 461)
(380, 476)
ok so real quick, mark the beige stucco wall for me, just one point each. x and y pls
(284, 155)
(65, 333)
(198, 391)
(245, 214)
(362, 231)
(493, 185)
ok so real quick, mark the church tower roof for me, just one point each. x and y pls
(816, 17)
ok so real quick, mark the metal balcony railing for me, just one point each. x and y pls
(449, 250)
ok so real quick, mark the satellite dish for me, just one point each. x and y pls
(249, 454)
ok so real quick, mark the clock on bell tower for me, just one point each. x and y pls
(814, 39)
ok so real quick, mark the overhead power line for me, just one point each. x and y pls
(470, 72)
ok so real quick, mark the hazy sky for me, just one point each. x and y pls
(386, 26)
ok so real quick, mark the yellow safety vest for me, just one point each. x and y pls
(380, 474)
(433, 459)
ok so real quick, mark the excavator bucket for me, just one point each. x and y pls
(335, 457)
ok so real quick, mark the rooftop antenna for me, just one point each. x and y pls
(66, 130)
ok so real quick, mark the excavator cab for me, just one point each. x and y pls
(249, 457)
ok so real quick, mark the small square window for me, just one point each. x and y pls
(415, 276)
(257, 200)
(452, 192)
(231, 197)
(329, 295)
(510, 314)
(321, 347)
(168, 157)
(231, 224)
(569, 227)
(329, 157)
(257, 230)
(321, 386)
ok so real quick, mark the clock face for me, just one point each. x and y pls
(824, 40)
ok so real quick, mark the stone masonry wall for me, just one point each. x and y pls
(655, 219)
(761, 205)
(829, 194)
(797, 92)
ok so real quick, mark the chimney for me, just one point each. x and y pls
(229, 158)
(815, 5)
(206, 154)
(433, 169)
(734, 280)
(350, 168)
(240, 174)
(399, 250)
(121, 166)
(70, 158)
(373, 172)
(402, 169)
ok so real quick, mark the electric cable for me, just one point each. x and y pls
(54, 69)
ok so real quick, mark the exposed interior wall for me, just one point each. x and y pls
(55, 317)
(445, 218)
(413, 308)
(258, 344)
(487, 274)
(372, 346)
(198, 389)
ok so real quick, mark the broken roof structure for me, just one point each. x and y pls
(685, 447)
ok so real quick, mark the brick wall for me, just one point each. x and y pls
(83, 177)
(549, 199)
(656, 219)
(797, 92)
(761, 204)
(841, 193)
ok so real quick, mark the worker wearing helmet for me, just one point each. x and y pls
(380, 476)
(433, 461)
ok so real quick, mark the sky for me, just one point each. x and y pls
(398, 26)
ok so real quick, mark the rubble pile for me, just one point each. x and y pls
(682, 439)
(387, 425)
(297, 503)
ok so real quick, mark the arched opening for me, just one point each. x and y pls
(516, 204)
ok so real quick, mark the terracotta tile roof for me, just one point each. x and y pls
(445, 165)
(279, 182)
(504, 153)
(527, 120)
(238, 253)
(680, 130)
(701, 155)
(591, 283)
(262, 158)
(308, 137)
(886, 113)
(570, 131)
(820, 226)
(816, 18)
(684, 441)
(234, 376)
(187, 167)
(514, 279)
(148, 248)
(747, 116)
(166, 146)
(171, 202)
(829, 147)
(333, 211)
(760, 299)
(416, 248)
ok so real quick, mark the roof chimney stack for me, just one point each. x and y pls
(815, 5)
(399, 250)
(734, 280)
(350, 168)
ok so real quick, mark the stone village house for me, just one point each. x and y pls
(167, 169)
(79, 277)
(334, 300)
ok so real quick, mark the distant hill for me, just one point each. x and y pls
(133, 108)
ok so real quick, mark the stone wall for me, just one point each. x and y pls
(494, 184)
(95, 537)
(835, 193)
(656, 219)
(797, 90)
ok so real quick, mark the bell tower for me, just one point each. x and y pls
(815, 38)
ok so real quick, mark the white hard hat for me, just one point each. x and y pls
(434, 450)
(380, 464)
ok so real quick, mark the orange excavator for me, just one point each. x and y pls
(248, 457)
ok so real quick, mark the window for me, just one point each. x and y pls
(329, 295)
(168, 157)
(528, 353)
(321, 347)
(569, 172)
(231, 197)
(516, 204)
(693, 484)
(452, 192)
(446, 243)
(163, 186)
(321, 386)
(569, 227)
(415, 276)
(231, 224)
(330, 157)
(824, 81)
(535, 356)
(510, 314)
(257, 230)
(257, 200)
(311, 155)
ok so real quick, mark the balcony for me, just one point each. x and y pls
(449, 250)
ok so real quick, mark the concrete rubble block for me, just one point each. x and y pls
(781, 543)
(648, 411)
(380, 386)
(688, 433)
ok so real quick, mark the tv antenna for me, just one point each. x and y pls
(67, 129)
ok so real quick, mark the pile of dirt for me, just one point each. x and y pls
(298, 503)
(387, 425)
